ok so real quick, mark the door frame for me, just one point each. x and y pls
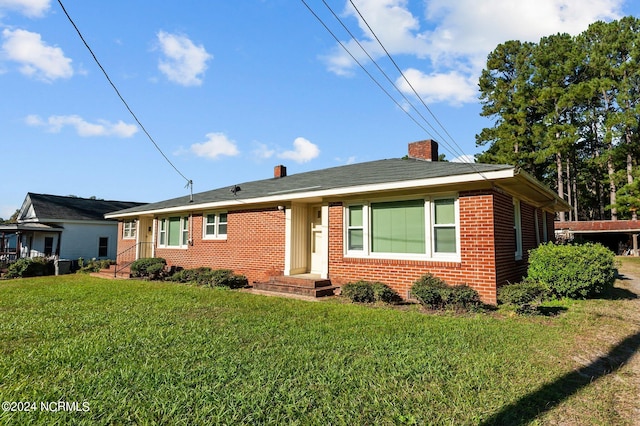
(316, 239)
(145, 237)
(298, 241)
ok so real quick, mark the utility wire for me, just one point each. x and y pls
(189, 181)
(403, 75)
(380, 68)
(448, 146)
(363, 68)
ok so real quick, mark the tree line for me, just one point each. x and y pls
(567, 110)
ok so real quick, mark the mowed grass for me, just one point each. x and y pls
(157, 353)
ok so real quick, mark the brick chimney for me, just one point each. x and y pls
(424, 150)
(279, 171)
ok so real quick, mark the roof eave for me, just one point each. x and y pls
(531, 190)
(320, 193)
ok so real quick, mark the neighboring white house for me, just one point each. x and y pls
(66, 227)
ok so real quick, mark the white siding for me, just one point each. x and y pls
(81, 240)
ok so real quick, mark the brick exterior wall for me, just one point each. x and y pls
(486, 242)
(508, 269)
(551, 233)
(254, 246)
(126, 252)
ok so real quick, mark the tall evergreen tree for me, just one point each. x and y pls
(555, 70)
(567, 110)
(506, 96)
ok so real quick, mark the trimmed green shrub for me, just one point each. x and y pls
(524, 293)
(525, 296)
(460, 297)
(359, 291)
(93, 265)
(226, 278)
(573, 271)
(427, 289)
(369, 292)
(151, 267)
(234, 281)
(384, 293)
(220, 277)
(208, 277)
(432, 292)
(191, 275)
(155, 270)
(30, 267)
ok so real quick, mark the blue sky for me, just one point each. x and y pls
(229, 89)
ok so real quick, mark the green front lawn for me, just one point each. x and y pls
(137, 352)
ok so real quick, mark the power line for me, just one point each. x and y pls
(448, 146)
(363, 67)
(404, 76)
(189, 181)
(380, 68)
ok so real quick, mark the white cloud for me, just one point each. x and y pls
(465, 158)
(38, 60)
(451, 87)
(217, 144)
(34, 120)
(30, 8)
(262, 152)
(347, 161)
(452, 38)
(184, 62)
(303, 151)
(470, 28)
(394, 25)
(83, 128)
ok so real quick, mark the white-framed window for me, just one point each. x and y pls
(423, 228)
(129, 228)
(444, 226)
(355, 228)
(517, 228)
(174, 231)
(215, 226)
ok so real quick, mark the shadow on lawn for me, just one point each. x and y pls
(618, 293)
(529, 407)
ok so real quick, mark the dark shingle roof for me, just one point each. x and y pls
(369, 173)
(75, 208)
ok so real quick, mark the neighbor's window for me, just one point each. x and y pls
(215, 225)
(103, 247)
(129, 229)
(517, 228)
(48, 246)
(174, 231)
(404, 228)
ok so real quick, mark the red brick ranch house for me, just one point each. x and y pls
(389, 220)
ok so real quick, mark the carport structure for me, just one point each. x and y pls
(621, 236)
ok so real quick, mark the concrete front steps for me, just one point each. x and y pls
(124, 273)
(300, 285)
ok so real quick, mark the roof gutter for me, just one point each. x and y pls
(307, 193)
(559, 205)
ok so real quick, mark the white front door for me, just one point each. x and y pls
(316, 240)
